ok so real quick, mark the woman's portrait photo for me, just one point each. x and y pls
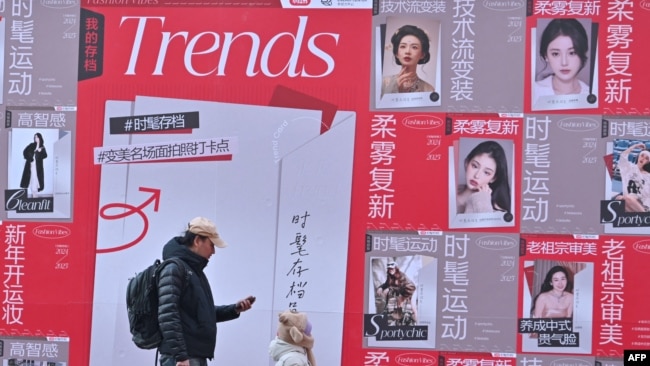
(564, 71)
(410, 46)
(555, 296)
(557, 291)
(630, 174)
(482, 191)
(407, 68)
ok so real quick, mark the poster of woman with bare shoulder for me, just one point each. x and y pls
(481, 183)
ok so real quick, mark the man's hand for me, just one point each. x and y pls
(245, 304)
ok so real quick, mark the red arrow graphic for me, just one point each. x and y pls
(129, 210)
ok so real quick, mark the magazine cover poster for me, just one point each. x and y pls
(561, 161)
(426, 290)
(558, 293)
(408, 57)
(615, 55)
(483, 163)
(605, 278)
(564, 56)
(40, 164)
(398, 295)
(475, 49)
(625, 204)
(412, 160)
(482, 183)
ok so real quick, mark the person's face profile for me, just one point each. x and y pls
(409, 52)
(480, 171)
(563, 59)
(203, 246)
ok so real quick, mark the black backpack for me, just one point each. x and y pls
(142, 303)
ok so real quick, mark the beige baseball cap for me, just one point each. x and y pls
(204, 227)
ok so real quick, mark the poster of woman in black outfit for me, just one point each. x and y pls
(34, 154)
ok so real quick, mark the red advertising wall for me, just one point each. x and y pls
(508, 151)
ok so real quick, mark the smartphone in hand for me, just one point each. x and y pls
(250, 299)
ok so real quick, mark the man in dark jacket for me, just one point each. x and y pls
(186, 312)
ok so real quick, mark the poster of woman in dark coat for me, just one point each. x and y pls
(33, 175)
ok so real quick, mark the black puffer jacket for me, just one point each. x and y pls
(187, 315)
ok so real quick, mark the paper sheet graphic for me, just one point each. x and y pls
(283, 167)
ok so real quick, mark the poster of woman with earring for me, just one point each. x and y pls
(407, 72)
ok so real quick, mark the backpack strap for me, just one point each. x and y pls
(181, 264)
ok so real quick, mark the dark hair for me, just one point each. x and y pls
(646, 166)
(548, 286)
(411, 30)
(187, 238)
(571, 28)
(500, 187)
(40, 138)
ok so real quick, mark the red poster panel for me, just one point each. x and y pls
(246, 115)
(477, 358)
(585, 57)
(581, 295)
(385, 357)
(442, 171)
(408, 175)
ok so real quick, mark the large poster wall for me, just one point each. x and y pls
(432, 182)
